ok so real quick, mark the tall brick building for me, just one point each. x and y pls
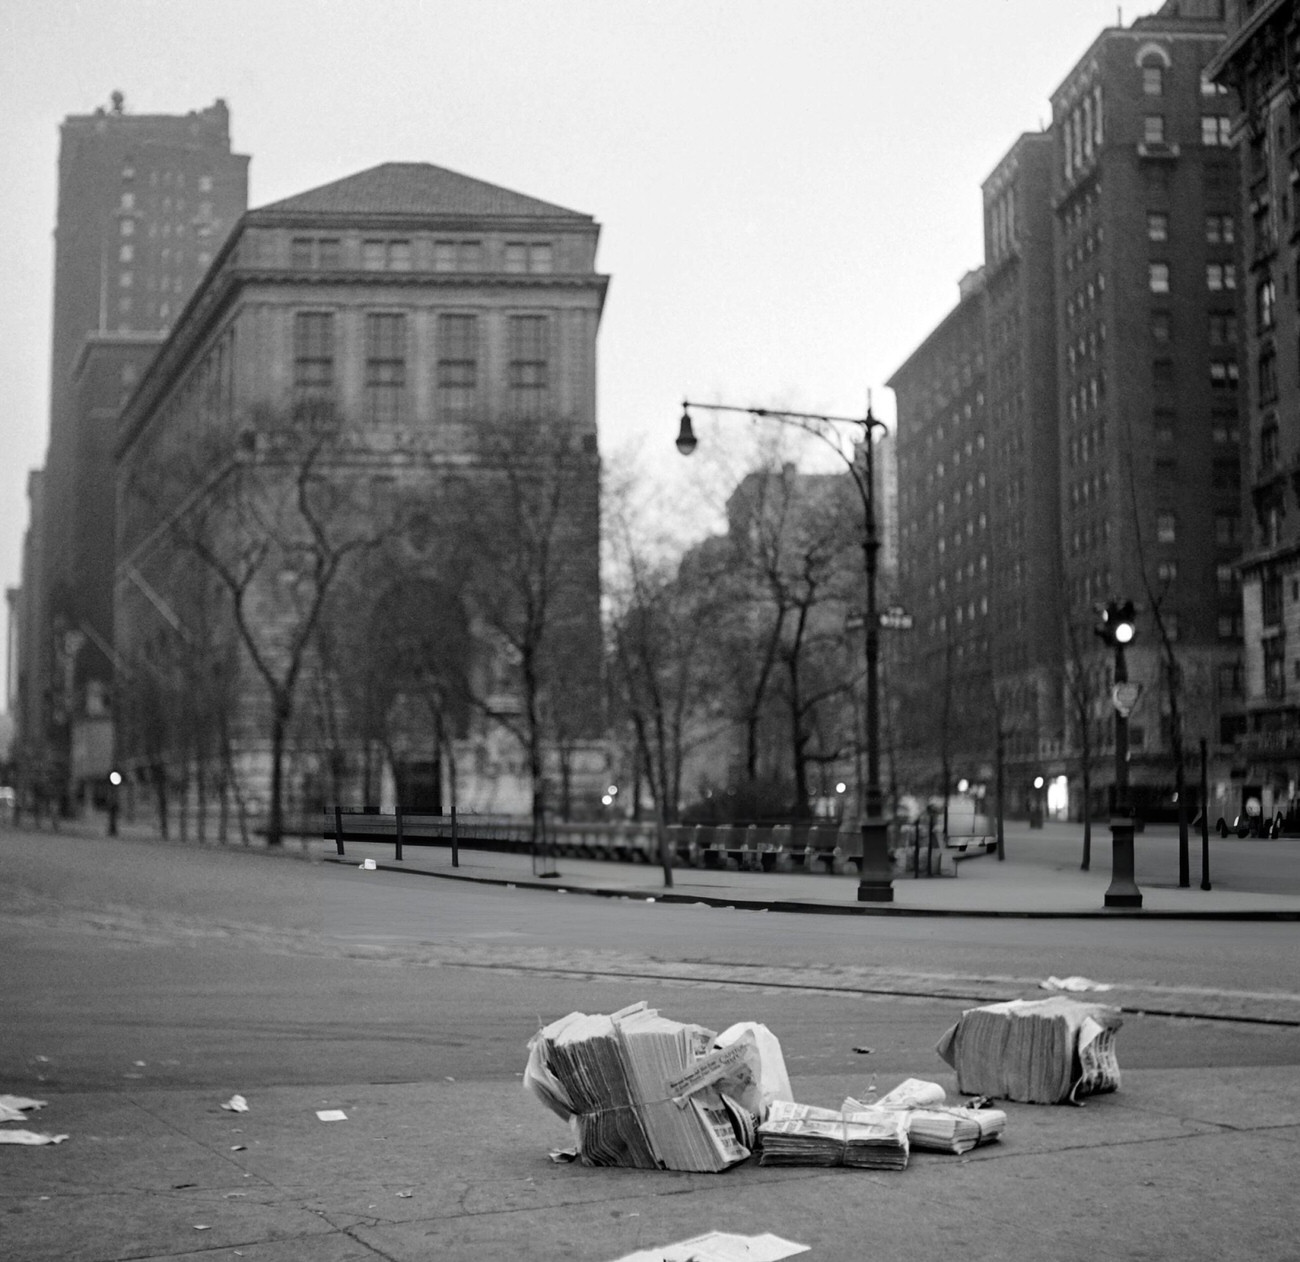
(144, 202)
(1259, 64)
(437, 335)
(1106, 326)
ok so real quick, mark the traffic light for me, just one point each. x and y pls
(1118, 623)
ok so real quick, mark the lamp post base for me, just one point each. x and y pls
(876, 882)
(1123, 890)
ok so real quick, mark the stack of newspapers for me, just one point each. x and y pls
(802, 1135)
(1041, 1051)
(933, 1126)
(642, 1090)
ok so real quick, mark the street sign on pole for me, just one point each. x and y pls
(1125, 696)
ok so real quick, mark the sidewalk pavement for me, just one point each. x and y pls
(983, 886)
(1179, 1163)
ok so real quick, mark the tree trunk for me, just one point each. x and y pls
(275, 820)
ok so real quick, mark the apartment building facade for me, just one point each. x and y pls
(1108, 319)
(1259, 64)
(144, 202)
(437, 334)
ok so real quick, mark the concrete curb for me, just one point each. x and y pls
(837, 909)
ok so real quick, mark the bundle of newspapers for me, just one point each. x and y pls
(642, 1090)
(932, 1125)
(803, 1135)
(1042, 1051)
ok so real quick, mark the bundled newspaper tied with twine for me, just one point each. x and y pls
(1043, 1051)
(642, 1090)
(932, 1125)
(804, 1135)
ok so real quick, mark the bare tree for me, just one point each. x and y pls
(276, 537)
(528, 512)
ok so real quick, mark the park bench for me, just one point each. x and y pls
(402, 829)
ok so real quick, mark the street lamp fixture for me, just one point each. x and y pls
(876, 875)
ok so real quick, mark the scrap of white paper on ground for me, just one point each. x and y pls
(368, 866)
(721, 1246)
(29, 1137)
(331, 1115)
(1073, 983)
(13, 1108)
(236, 1104)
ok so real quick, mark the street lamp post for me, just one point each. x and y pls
(1117, 628)
(876, 876)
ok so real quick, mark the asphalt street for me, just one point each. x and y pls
(145, 983)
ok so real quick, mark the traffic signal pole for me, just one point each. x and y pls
(1123, 890)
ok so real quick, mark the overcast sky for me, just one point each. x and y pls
(788, 192)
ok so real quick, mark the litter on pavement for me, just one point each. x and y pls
(331, 1115)
(368, 866)
(638, 1089)
(1041, 1051)
(14, 1108)
(236, 1104)
(721, 1246)
(1073, 984)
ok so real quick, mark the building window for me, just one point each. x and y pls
(1269, 447)
(457, 256)
(1265, 295)
(1153, 129)
(1153, 80)
(125, 279)
(1275, 668)
(313, 351)
(1220, 229)
(1271, 599)
(1224, 374)
(1230, 673)
(528, 361)
(128, 227)
(386, 256)
(1157, 226)
(1227, 530)
(1220, 276)
(1160, 327)
(1167, 571)
(322, 253)
(529, 256)
(399, 256)
(385, 367)
(1226, 577)
(457, 360)
(1158, 277)
(125, 254)
(1166, 528)
(128, 200)
(205, 183)
(1216, 129)
(1268, 377)
(1223, 329)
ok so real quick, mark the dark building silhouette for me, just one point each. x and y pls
(1259, 65)
(1097, 358)
(144, 203)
